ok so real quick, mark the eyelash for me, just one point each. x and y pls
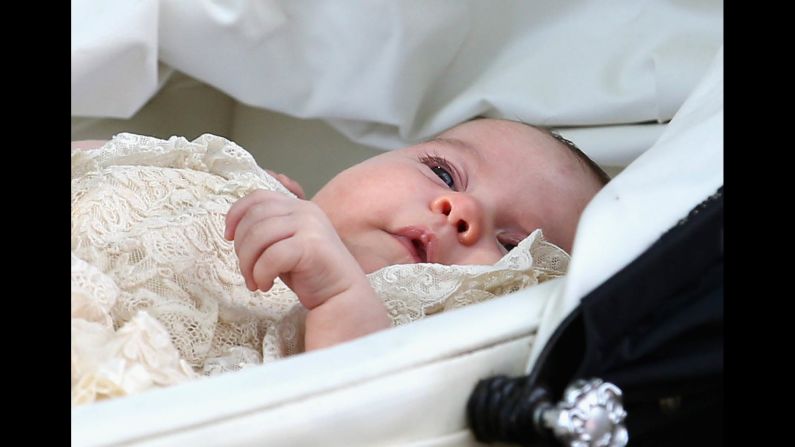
(436, 162)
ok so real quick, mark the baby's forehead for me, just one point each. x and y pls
(503, 141)
(462, 146)
(522, 159)
(504, 131)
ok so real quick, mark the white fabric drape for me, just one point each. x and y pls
(389, 73)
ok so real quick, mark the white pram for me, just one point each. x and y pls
(385, 74)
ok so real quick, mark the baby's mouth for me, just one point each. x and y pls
(417, 242)
(420, 249)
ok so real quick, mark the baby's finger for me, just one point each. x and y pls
(239, 208)
(258, 214)
(257, 239)
(237, 211)
(291, 185)
(280, 258)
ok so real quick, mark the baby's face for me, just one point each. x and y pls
(466, 197)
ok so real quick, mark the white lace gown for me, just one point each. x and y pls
(157, 296)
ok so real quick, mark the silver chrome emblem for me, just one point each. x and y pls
(590, 415)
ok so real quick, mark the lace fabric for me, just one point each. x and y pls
(157, 296)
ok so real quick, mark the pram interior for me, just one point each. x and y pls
(408, 385)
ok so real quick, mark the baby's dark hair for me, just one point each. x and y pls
(601, 175)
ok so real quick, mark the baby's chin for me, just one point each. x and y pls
(371, 262)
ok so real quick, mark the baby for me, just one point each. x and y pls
(157, 295)
(465, 197)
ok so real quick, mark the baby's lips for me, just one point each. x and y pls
(418, 241)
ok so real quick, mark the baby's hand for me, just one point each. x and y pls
(276, 235)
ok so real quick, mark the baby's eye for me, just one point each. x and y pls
(442, 168)
(508, 241)
(508, 246)
(444, 175)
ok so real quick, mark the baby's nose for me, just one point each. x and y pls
(464, 213)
